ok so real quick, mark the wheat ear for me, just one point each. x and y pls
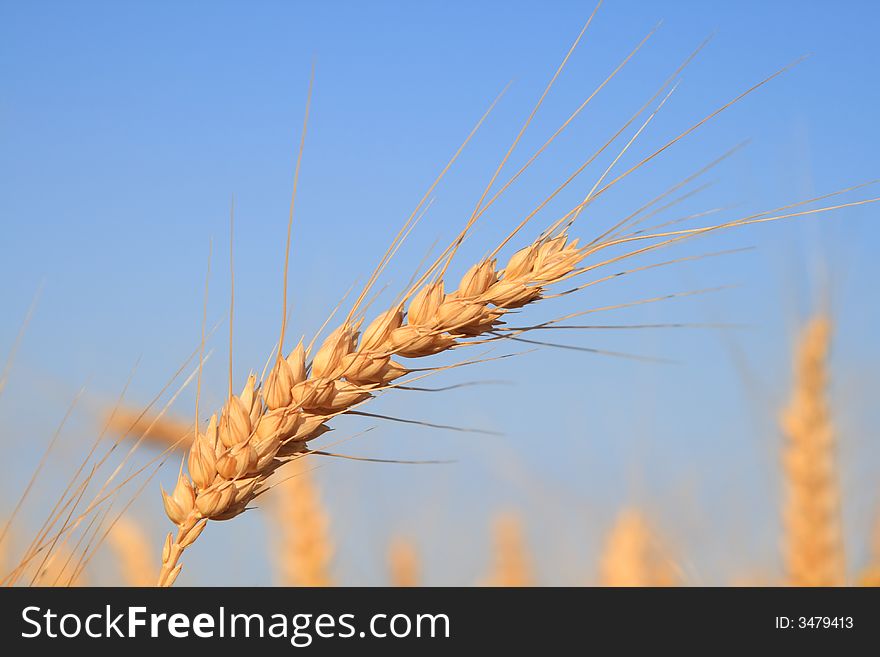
(813, 543)
(511, 563)
(404, 566)
(304, 549)
(130, 544)
(633, 556)
(268, 425)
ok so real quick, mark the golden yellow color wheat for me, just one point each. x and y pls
(511, 563)
(813, 543)
(304, 549)
(132, 550)
(633, 555)
(404, 566)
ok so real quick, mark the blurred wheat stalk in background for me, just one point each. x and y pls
(813, 541)
(404, 566)
(132, 549)
(633, 555)
(303, 548)
(511, 563)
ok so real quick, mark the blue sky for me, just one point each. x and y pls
(126, 127)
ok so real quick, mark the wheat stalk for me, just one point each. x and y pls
(813, 542)
(304, 550)
(404, 566)
(130, 544)
(633, 556)
(511, 563)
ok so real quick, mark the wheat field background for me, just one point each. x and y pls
(127, 130)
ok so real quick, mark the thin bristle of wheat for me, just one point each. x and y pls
(511, 563)
(59, 570)
(132, 550)
(404, 566)
(632, 555)
(304, 549)
(813, 542)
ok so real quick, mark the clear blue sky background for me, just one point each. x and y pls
(126, 127)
